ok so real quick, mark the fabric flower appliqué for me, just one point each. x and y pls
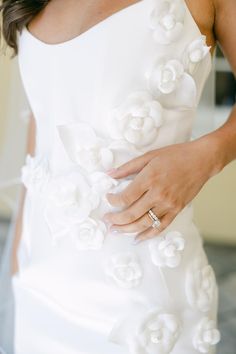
(200, 285)
(102, 183)
(121, 185)
(89, 234)
(70, 200)
(125, 269)
(137, 120)
(167, 20)
(206, 336)
(196, 51)
(167, 251)
(35, 173)
(85, 148)
(168, 82)
(157, 333)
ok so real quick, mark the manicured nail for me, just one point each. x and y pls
(114, 228)
(115, 231)
(112, 171)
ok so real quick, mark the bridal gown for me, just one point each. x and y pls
(129, 84)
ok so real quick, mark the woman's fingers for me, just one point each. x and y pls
(133, 166)
(152, 231)
(139, 225)
(138, 208)
(130, 194)
(133, 212)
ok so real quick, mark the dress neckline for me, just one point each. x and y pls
(85, 33)
(100, 24)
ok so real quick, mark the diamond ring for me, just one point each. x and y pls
(156, 221)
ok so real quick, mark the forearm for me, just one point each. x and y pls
(226, 138)
(30, 148)
(18, 230)
(221, 144)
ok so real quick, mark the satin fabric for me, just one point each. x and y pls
(129, 84)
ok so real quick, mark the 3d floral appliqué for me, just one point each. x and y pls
(70, 200)
(158, 333)
(125, 269)
(147, 330)
(137, 120)
(200, 285)
(170, 84)
(35, 173)
(167, 251)
(85, 148)
(167, 20)
(89, 234)
(206, 335)
(101, 183)
(195, 52)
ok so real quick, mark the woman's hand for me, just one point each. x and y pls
(167, 180)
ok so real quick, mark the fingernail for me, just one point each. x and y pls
(115, 231)
(114, 228)
(111, 171)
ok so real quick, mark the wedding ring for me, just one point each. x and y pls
(156, 221)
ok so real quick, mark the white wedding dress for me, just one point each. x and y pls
(129, 84)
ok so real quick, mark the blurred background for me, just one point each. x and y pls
(215, 206)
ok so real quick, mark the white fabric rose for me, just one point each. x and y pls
(167, 20)
(102, 183)
(196, 51)
(85, 148)
(35, 173)
(157, 333)
(200, 285)
(125, 269)
(206, 336)
(119, 187)
(70, 200)
(167, 251)
(137, 120)
(165, 76)
(167, 80)
(89, 234)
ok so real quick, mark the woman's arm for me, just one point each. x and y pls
(225, 140)
(170, 177)
(225, 33)
(18, 229)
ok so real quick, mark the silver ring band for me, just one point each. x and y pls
(156, 221)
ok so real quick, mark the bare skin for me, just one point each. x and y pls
(30, 148)
(61, 21)
(163, 182)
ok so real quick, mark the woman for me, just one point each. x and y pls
(110, 260)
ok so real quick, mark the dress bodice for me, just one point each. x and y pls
(127, 85)
(130, 84)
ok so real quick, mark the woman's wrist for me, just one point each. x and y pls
(213, 153)
(219, 145)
